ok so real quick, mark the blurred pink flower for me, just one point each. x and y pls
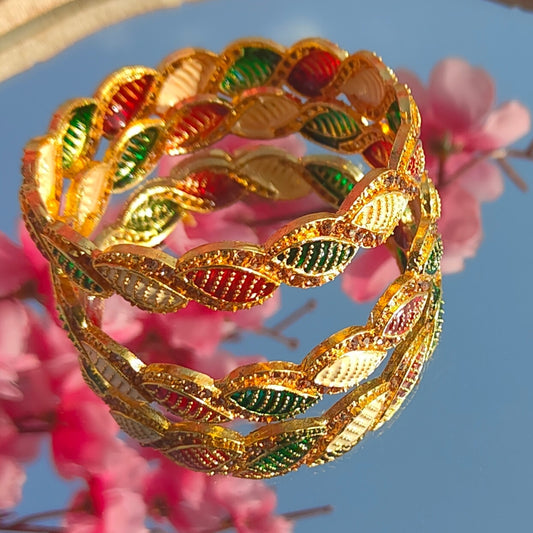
(83, 435)
(12, 477)
(14, 330)
(196, 503)
(459, 124)
(113, 502)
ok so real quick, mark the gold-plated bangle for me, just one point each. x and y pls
(255, 89)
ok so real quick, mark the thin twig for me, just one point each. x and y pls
(53, 513)
(513, 175)
(308, 513)
(296, 315)
(292, 516)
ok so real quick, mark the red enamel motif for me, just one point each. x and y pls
(232, 285)
(412, 376)
(125, 104)
(198, 123)
(406, 316)
(183, 405)
(216, 187)
(378, 153)
(313, 72)
(200, 458)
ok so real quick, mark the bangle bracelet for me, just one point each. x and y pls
(382, 123)
(189, 95)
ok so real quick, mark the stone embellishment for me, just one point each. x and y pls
(349, 104)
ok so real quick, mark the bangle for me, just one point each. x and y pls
(382, 123)
(187, 94)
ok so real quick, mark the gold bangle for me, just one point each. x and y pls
(382, 123)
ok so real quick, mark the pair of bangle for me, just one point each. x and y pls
(351, 104)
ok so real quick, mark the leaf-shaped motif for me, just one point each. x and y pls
(184, 405)
(186, 74)
(195, 124)
(252, 69)
(138, 419)
(231, 284)
(404, 382)
(318, 257)
(313, 72)
(365, 86)
(417, 163)
(289, 450)
(331, 128)
(92, 378)
(202, 459)
(353, 432)
(125, 102)
(434, 259)
(136, 158)
(382, 213)
(40, 175)
(377, 154)
(273, 402)
(142, 276)
(142, 433)
(350, 369)
(406, 316)
(268, 115)
(273, 173)
(76, 135)
(87, 197)
(76, 273)
(216, 189)
(110, 373)
(332, 182)
(393, 116)
(150, 215)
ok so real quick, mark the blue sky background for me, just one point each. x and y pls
(459, 457)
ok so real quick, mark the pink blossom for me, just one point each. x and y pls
(113, 501)
(195, 503)
(458, 125)
(12, 477)
(15, 270)
(14, 330)
(369, 274)
(84, 434)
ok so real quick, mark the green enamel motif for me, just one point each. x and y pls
(276, 403)
(131, 164)
(74, 273)
(290, 451)
(331, 128)
(76, 136)
(93, 379)
(318, 257)
(252, 69)
(393, 116)
(434, 259)
(155, 214)
(332, 180)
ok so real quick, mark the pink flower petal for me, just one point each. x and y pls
(503, 126)
(461, 95)
(483, 181)
(15, 269)
(460, 226)
(12, 478)
(369, 274)
(14, 328)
